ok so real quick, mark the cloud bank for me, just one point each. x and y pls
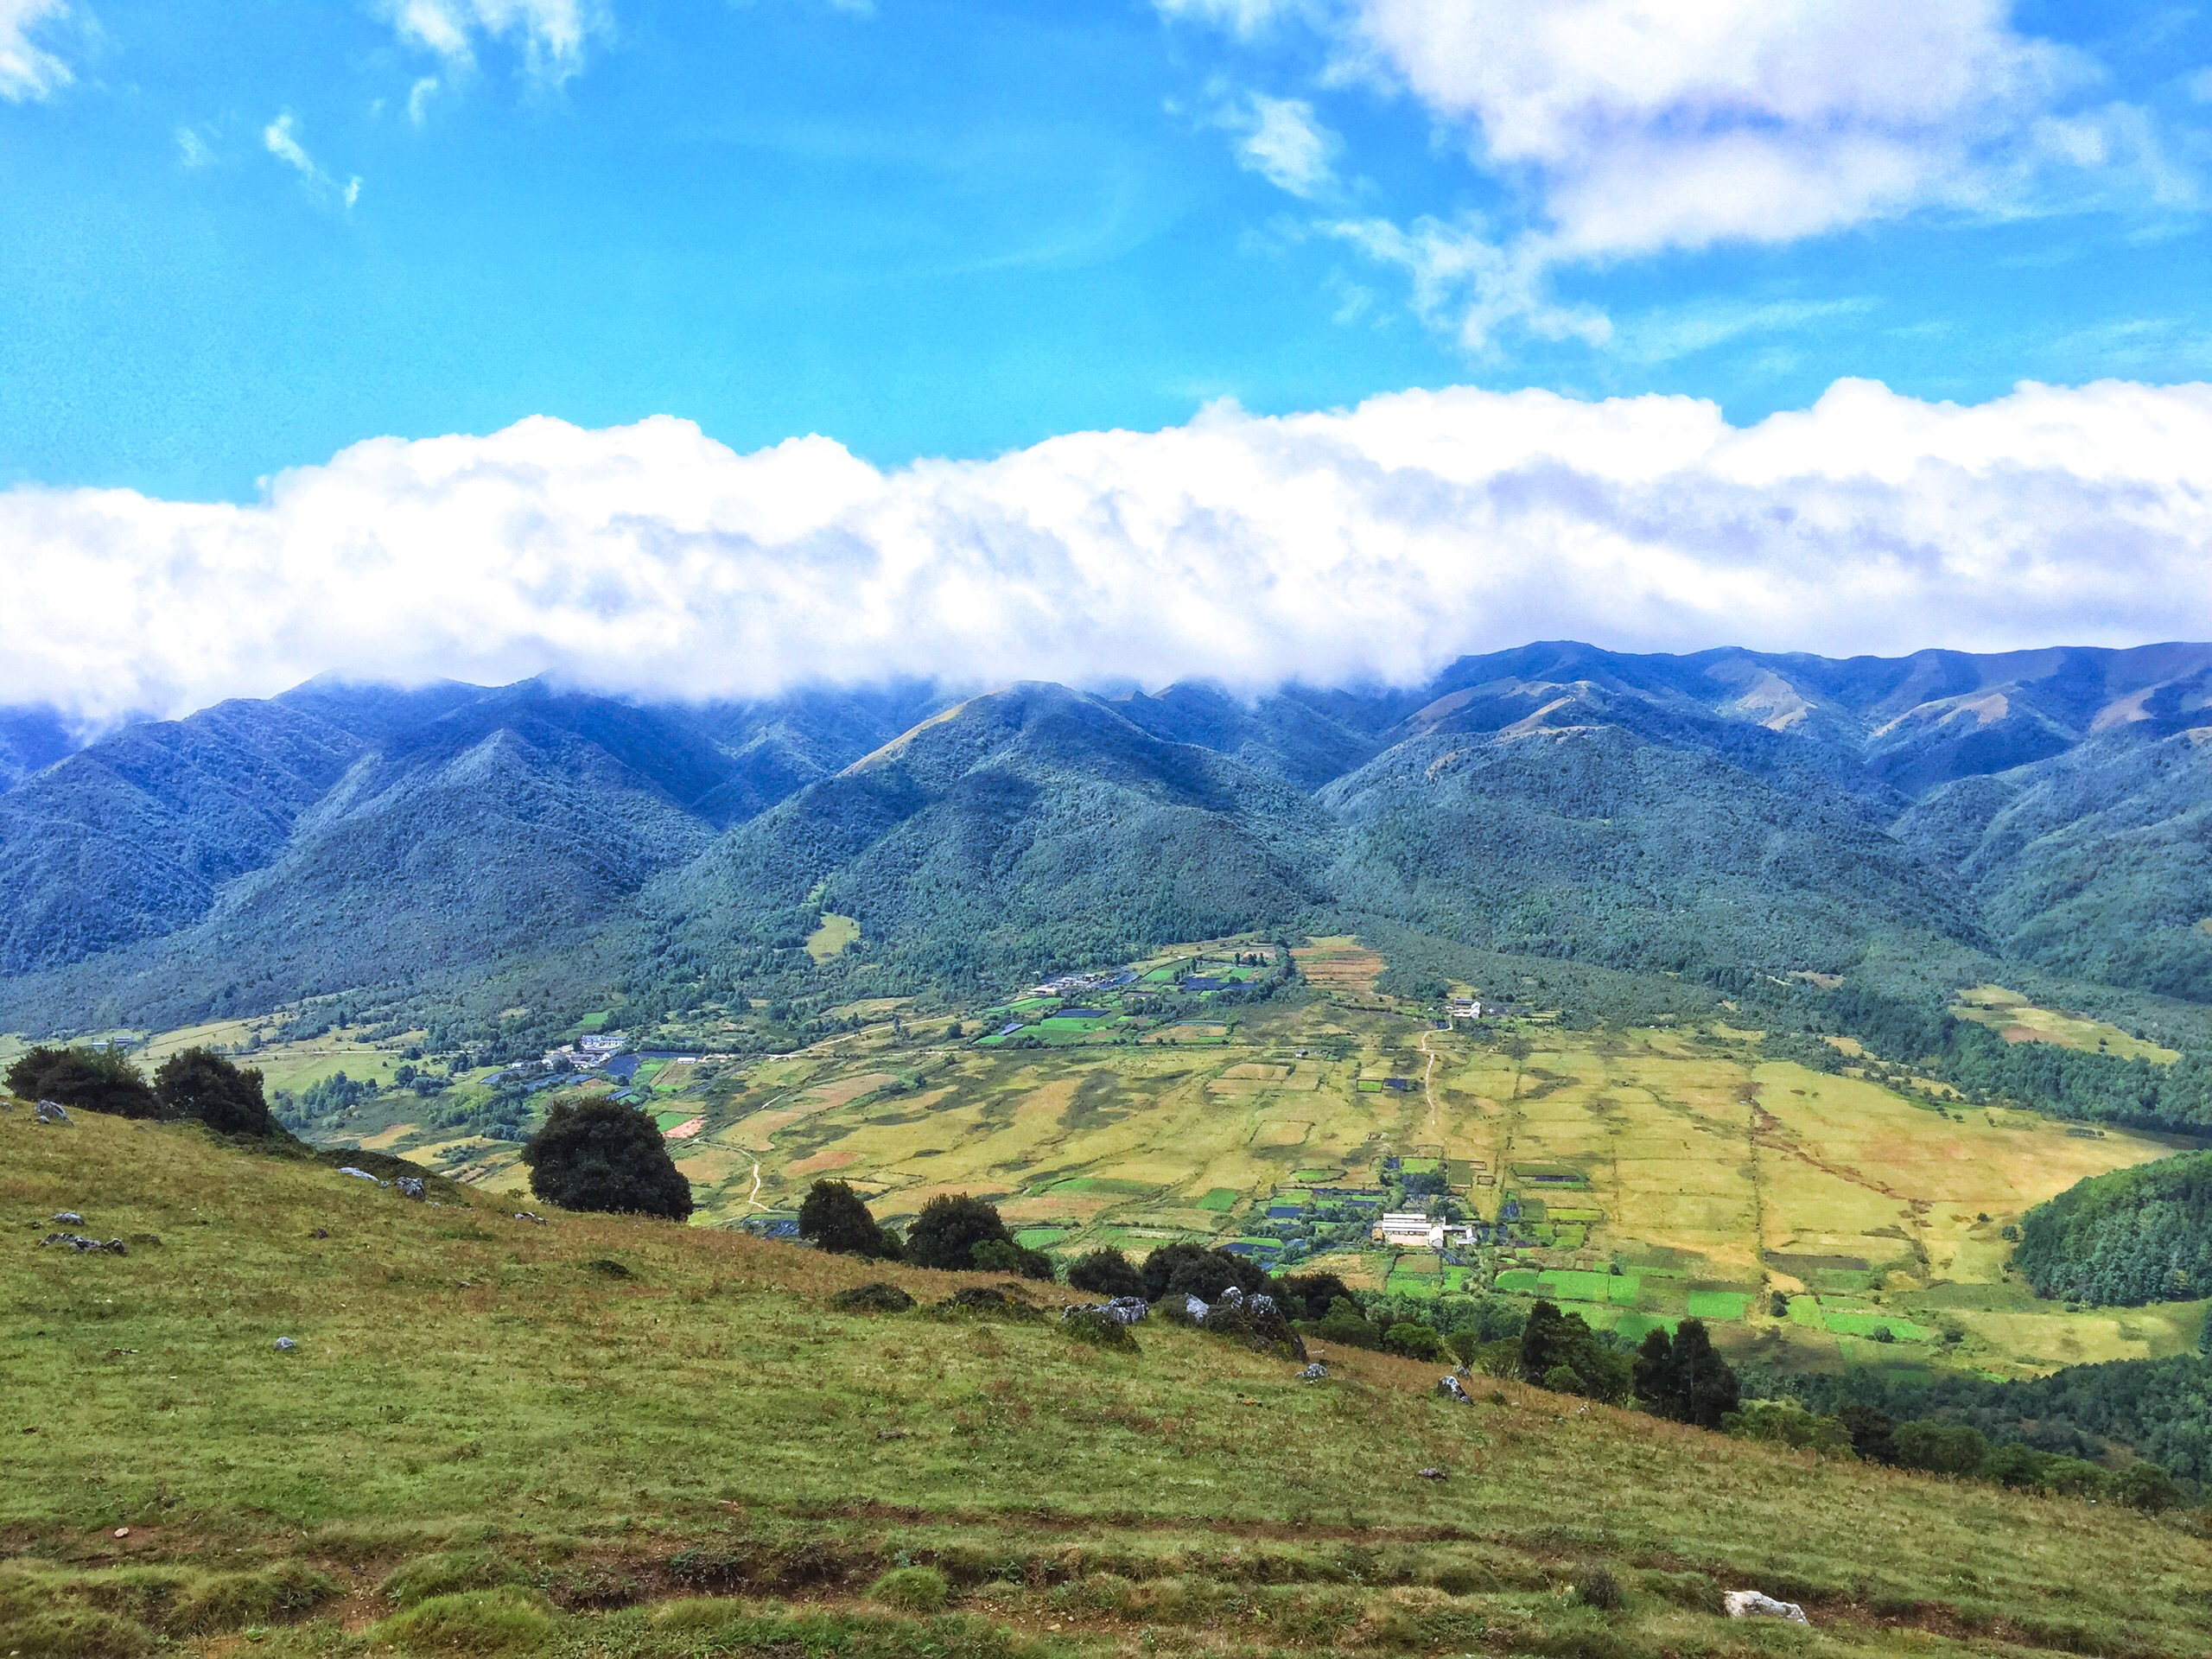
(1378, 542)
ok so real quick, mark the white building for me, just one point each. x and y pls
(1410, 1230)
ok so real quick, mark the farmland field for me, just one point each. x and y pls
(1640, 1175)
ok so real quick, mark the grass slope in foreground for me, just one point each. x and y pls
(545, 1436)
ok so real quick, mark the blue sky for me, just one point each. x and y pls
(953, 227)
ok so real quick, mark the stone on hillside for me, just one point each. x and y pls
(1313, 1373)
(1196, 1307)
(285, 1345)
(358, 1174)
(68, 1218)
(535, 1219)
(1231, 1297)
(1449, 1386)
(79, 1243)
(410, 1187)
(1430, 1474)
(52, 1111)
(1128, 1310)
(1750, 1604)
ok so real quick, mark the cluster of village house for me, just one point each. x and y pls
(585, 1054)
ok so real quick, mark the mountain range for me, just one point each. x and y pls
(1688, 814)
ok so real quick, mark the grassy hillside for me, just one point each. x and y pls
(603, 1417)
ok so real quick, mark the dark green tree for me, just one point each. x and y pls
(1871, 1430)
(1193, 1270)
(1106, 1273)
(950, 1228)
(84, 1079)
(1010, 1256)
(1310, 1295)
(1683, 1377)
(1561, 1352)
(836, 1218)
(199, 1083)
(597, 1154)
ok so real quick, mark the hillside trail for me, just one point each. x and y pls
(753, 1197)
(1429, 1084)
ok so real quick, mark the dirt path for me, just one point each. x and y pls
(1429, 1084)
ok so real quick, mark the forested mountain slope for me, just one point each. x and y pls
(2096, 862)
(1030, 824)
(1773, 812)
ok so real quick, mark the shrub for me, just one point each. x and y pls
(2147, 1487)
(1413, 1341)
(1597, 1586)
(1941, 1448)
(837, 1219)
(950, 1228)
(994, 1255)
(1783, 1422)
(506, 1620)
(85, 1079)
(981, 1302)
(1098, 1329)
(200, 1084)
(597, 1155)
(878, 1296)
(1106, 1273)
(912, 1590)
(444, 1573)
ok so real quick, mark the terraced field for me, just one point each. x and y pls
(1643, 1176)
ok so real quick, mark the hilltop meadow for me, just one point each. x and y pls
(602, 1436)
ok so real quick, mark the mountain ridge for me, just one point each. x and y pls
(1727, 807)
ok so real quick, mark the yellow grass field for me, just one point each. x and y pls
(2020, 1021)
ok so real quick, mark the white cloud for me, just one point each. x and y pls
(418, 98)
(28, 70)
(193, 149)
(281, 138)
(553, 33)
(1280, 139)
(1630, 127)
(1381, 540)
(1464, 281)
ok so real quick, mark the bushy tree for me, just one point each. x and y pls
(1310, 1295)
(995, 1256)
(84, 1079)
(950, 1228)
(1193, 1270)
(836, 1218)
(1943, 1448)
(1561, 1352)
(1683, 1378)
(1106, 1273)
(1415, 1341)
(598, 1154)
(199, 1083)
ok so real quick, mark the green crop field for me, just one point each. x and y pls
(1680, 1155)
(603, 1437)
